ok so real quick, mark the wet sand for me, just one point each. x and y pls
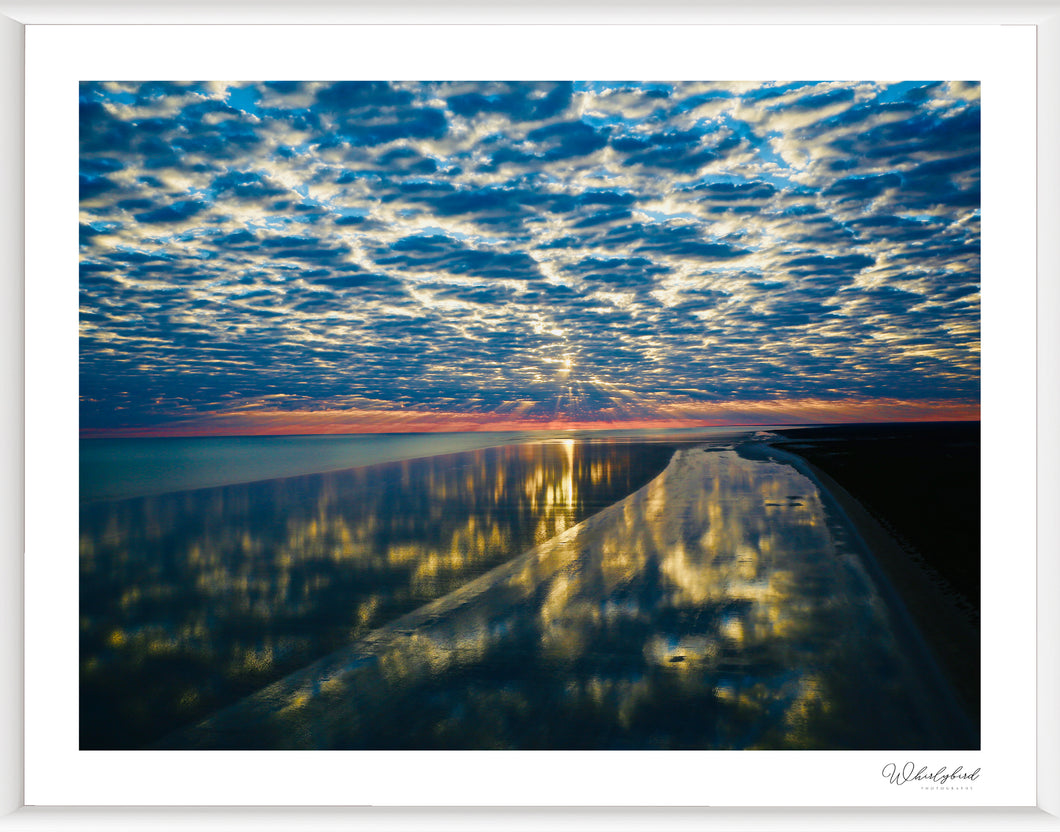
(729, 603)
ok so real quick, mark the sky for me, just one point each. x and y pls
(347, 257)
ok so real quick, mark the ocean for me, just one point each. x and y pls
(117, 468)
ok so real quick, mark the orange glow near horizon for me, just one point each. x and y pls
(735, 414)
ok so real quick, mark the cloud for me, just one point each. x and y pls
(372, 113)
(591, 250)
(92, 186)
(439, 253)
(517, 101)
(174, 212)
(616, 271)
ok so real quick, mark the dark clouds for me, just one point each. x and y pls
(516, 101)
(441, 254)
(571, 250)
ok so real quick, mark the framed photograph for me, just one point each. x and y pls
(568, 415)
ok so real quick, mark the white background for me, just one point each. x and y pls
(58, 57)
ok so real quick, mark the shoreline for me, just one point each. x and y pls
(920, 552)
(929, 618)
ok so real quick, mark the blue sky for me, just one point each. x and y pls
(317, 257)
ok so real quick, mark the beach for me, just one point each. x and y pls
(912, 491)
(728, 603)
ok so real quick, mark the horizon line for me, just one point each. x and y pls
(156, 433)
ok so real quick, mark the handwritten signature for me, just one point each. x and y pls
(910, 773)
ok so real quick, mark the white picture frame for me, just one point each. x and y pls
(1043, 815)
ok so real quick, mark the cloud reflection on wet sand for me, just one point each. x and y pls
(722, 606)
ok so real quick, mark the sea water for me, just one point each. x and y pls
(190, 599)
(117, 468)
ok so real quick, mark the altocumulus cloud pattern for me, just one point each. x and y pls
(300, 257)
